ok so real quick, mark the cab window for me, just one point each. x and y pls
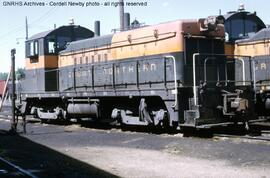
(240, 28)
(32, 48)
(51, 42)
(51, 45)
(56, 44)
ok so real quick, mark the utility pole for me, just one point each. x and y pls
(13, 121)
(26, 28)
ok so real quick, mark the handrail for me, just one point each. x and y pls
(244, 69)
(254, 80)
(194, 70)
(194, 78)
(175, 80)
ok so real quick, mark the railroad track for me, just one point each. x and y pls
(265, 134)
(8, 167)
(259, 138)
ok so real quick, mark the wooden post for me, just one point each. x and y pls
(13, 121)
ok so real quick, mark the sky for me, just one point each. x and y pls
(42, 18)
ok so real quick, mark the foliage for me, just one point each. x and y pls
(3, 75)
(20, 74)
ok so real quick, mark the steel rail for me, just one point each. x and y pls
(242, 137)
(25, 172)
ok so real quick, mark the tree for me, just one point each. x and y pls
(20, 73)
(3, 75)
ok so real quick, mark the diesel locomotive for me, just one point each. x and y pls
(257, 46)
(173, 74)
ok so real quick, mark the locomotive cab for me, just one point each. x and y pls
(42, 52)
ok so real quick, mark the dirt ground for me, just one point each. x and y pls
(144, 163)
(74, 151)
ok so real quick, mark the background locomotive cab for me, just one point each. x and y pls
(42, 56)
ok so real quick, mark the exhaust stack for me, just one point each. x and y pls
(97, 28)
(126, 21)
(121, 11)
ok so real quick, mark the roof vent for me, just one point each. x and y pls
(97, 28)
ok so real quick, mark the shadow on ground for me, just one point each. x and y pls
(41, 160)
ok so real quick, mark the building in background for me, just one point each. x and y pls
(2, 86)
